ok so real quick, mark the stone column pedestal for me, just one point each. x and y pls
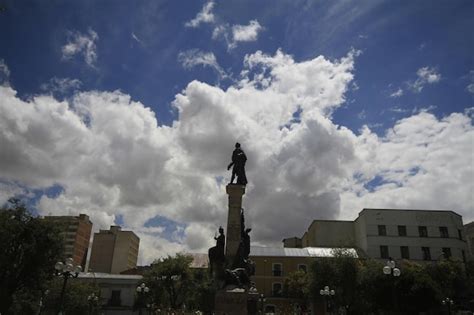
(232, 302)
(235, 193)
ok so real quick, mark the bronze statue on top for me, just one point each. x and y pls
(238, 161)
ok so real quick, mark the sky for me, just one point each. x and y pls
(128, 111)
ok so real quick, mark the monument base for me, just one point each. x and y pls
(231, 302)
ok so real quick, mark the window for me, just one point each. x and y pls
(277, 270)
(382, 230)
(405, 253)
(302, 267)
(426, 253)
(423, 231)
(115, 298)
(443, 232)
(276, 289)
(402, 230)
(459, 234)
(384, 251)
(447, 252)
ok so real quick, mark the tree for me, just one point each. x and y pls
(170, 280)
(296, 285)
(339, 273)
(30, 248)
(75, 299)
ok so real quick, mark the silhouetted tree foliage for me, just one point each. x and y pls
(174, 285)
(30, 247)
(362, 288)
(296, 285)
(75, 299)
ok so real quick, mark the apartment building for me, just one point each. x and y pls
(76, 232)
(114, 250)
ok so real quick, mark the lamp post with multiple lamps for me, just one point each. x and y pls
(326, 293)
(390, 269)
(93, 301)
(66, 270)
(449, 303)
(142, 290)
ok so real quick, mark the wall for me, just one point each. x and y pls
(331, 234)
(412, 219)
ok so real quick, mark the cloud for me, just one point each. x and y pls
(419, 161)
(204, 16)
(81, 44)
(61, 85)
(138, 40)
(397, 93)
(237, 33)
(195, 57)
(246, 33)
(426, 75)
(4, 71)
(397, 109)
(114, 160)
(470, 87)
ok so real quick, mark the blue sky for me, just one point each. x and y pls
(398, 66)
(396, 38)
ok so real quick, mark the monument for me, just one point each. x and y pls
(232, 268)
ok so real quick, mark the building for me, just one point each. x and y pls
(117, 292)
(469, 235)
(274, 264)
(76, 231)
(419, 235)
(114, 250)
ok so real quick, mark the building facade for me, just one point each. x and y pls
(76, 232)
(469, 235)
(272, 267)
(419, 235)
(114, 250)
(117, 292)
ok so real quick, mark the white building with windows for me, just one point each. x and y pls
(419, 235)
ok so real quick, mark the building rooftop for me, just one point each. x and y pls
(103, 275)
(257, 251)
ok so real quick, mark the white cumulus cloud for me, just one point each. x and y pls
(204, 16)
(246, 33)
(82, 44)
(397, 93)
(426, 75)
(113, 159)
(195, 57)
(4, 71)
(470, 87)
(61, 85)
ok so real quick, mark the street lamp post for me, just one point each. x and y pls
(262, 300)
(41, 301)
(66, 270)
(92, 299)
(141, 291)
(391, 270)
(326, 292)
(448, 302)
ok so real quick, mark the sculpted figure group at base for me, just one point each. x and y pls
(240, 270)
